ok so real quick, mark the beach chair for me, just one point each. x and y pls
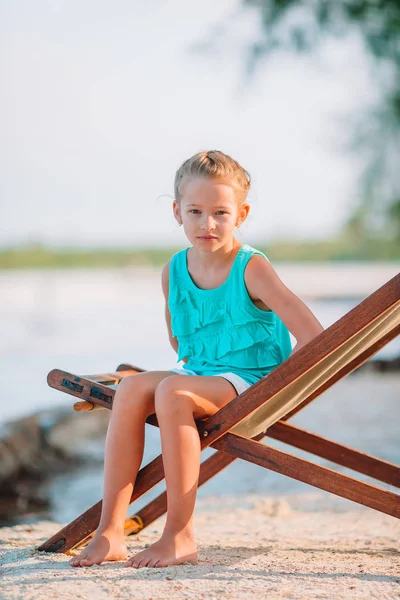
(264, 409)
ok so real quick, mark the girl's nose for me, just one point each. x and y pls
(208, 223)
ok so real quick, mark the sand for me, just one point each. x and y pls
(309, 545)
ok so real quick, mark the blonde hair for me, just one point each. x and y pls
(214, 164)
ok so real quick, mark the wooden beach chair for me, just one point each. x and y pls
(262, 410)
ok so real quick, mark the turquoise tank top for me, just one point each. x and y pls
(221, 329)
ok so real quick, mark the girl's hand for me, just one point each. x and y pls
(184, 359)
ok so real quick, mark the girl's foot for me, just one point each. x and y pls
(107, 545)
(171, 549)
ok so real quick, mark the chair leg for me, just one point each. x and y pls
(361, 462)
(79, 531)
(308, 472)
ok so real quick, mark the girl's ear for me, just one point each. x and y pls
(177, 212)
(244, 211)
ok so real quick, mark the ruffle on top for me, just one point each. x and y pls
(219, 330)
(186, 317)
(249, 345)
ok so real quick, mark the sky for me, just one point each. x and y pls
(100, 103)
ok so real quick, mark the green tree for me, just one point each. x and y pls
(300, 26)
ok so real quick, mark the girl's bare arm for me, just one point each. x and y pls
(263, 282)
(165, 288)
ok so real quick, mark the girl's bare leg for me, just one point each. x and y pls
(178, 402)
(133, 403)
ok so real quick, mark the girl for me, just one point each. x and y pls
(228, 316)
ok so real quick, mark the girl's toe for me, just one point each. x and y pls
(161, 565)
(130, 563)
(143, 563)
(153, 563)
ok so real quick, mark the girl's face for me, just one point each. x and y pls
(208, 208)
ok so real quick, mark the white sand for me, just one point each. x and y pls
(292, 547)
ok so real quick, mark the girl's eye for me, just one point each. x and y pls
(218, 211)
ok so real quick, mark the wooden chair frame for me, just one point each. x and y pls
(263, 410)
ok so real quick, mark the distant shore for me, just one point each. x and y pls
(329, 280)
(342, 248)
(303, 546)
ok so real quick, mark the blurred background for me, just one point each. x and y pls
(100, 103)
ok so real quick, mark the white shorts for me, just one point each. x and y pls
(238, 383)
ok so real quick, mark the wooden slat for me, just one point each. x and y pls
(338, 453)
(308, 472)
(129, 367)
(81, 387)
(89, 388)
(114, 377)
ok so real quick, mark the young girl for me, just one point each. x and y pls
(228, 316)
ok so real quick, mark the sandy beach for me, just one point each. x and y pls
(309, 545)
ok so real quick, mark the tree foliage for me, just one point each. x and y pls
(300, 26)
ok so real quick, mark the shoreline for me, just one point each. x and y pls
(347, 281)
(286, 547)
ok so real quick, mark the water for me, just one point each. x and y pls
(89, 321)
(86, 321)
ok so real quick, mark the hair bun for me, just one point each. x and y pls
(213, 164)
